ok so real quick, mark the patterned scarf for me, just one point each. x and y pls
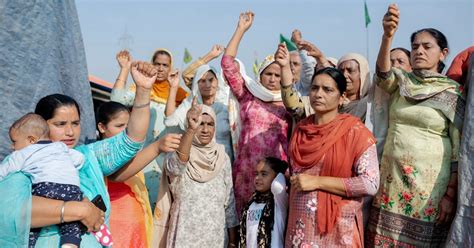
(265, 225)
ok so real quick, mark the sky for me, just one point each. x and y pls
(337, 27)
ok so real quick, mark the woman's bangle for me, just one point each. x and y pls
(181, 153)
(62, 211)
(120, 80)
(141, 105)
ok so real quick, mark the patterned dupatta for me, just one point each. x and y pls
(434, 90)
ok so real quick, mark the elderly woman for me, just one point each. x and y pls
(356, 71)
(333, 166)
(209, 89)
(200, 181)
(163, 62)
(102, 158)
(416, 201)
(264, 120)
(400, 58)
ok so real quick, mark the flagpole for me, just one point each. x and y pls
(367, 22)
(367, 44)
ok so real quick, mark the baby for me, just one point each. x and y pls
(52, 167)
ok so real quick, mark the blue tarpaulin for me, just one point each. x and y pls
(42, 53)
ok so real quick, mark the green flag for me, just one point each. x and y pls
(367, 17)
(289, 44)
(187, 56)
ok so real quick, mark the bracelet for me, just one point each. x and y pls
(120, 80)
(62, 211)
(181, 153)
(142, 105)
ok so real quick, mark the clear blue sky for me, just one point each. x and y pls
(336, 27)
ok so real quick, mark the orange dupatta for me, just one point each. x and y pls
(339, 147)
(160, 90)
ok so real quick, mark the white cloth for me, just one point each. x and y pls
(220, 107)
(51, 162)
(254, 213)
(255, 87)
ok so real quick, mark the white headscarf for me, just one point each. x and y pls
(222, 93)
(358, 107)
(364, 71)
(255, 87)
(221, 100)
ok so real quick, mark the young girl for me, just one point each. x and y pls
(131, 220)
(130, 208)
(264, 218)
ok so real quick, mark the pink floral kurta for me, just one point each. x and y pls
(264, 132)
(302, 230)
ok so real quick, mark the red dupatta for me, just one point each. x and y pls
(340, 143)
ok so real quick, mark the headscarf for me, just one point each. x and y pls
(255, 86)
(265, 224)
(206, 161)
(332, 60)
(358, 107)
(340, 143)
(160, 90)
(222, 93)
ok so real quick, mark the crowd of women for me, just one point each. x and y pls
(313, 152)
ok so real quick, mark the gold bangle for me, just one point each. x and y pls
(62, 211)
(182, 154)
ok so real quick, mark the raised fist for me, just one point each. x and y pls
(390, 21)
(143, 74)
(245, 20)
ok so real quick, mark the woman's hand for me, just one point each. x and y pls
(296, 36)
(304, 182)
(173, 79)
(282, 56)
(390, 21)
(144, 74)
(312, 50)
(216, 51)
(92, 217)
(245, 21)
(124, 59)
(169, 143)
(194, 115)
(446, 211)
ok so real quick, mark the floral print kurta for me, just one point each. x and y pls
(302, 228)
(201, 212)
(420, 152)
(264, 132)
